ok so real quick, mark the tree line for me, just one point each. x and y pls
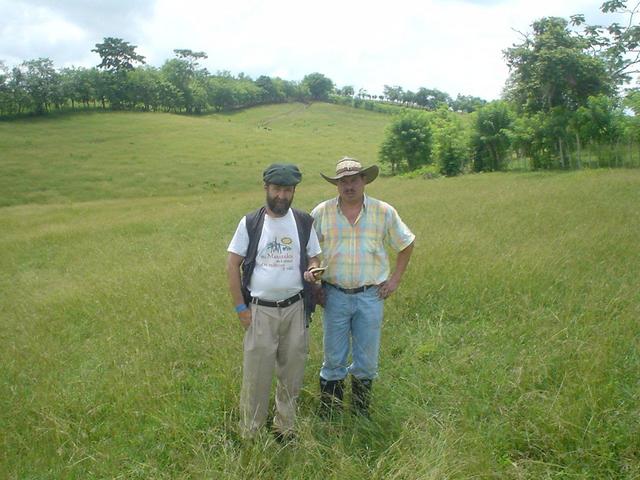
(566, 105)
(426, 98)
(122, 81)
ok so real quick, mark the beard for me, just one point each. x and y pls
(278, 206)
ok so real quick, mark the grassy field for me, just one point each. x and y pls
(511, 350)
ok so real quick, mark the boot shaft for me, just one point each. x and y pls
(361, 395)
(331, 396)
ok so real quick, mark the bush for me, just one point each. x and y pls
(426, 172)
(407, 143)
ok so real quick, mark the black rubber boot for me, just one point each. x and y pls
(360, 396)
(331, 395)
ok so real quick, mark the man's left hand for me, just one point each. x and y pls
(387, 288)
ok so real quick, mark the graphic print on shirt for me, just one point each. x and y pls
(278, 253)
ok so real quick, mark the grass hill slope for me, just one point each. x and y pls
(511, 349)
(122, 155)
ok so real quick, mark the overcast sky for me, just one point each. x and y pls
(452, 45)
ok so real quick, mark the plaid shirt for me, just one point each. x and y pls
(355, 254)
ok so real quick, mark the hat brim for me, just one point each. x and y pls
(369, 174)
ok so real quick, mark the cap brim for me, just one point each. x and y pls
(369, 173)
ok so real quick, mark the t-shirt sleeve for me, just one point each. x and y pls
(240, 241)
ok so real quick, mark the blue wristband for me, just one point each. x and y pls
(241, 308)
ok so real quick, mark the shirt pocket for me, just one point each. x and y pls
(373, 246)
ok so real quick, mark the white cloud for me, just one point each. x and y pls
(34, 32)
(452, 45)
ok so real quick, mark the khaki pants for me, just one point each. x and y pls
(277, 339)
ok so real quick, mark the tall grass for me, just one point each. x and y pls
(510, 351)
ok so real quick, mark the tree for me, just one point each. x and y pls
(617, 44)
(178, 72)
(118, 58)
(77, 86)
(41, 81)
(407, 142)
(199, 97)
(409, 97)
(491, 136)
(393, 94)
(143, 88)
(431, 99)
(5, 96)
(272, 91)
(85, 86)
(17, 87)
(554, 69)
(246, 92)
(553, 75)
(193, 58)
(68, 85)
(347, 91)
(117, 55)
(318, 85)
(221, 93)
(183, 72)
(450, 141)
(467, 103)
(544, 137)
(288, 87)
(632, 122)
(169, 96)
(599, 122)
(101, 82)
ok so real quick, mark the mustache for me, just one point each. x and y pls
(279, 206)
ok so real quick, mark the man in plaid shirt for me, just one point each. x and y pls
(354, 230)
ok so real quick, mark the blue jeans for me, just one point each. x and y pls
(351, 321)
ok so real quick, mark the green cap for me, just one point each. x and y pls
(285, 174)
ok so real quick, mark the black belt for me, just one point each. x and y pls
(280, 303)
(350, 291)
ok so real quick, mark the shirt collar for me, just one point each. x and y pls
(365, 201)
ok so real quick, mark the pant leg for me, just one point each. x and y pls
(290, 360)
(366, 332)
(336, 322)
(260, 346)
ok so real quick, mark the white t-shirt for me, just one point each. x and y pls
(276, 274)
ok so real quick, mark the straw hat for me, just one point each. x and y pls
(350, 166)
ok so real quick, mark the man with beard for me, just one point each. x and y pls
(354, 231)
(268, 266)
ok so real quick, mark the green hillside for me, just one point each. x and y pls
(98, 156)
(510, 351)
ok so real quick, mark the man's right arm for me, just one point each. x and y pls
(234, 261)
